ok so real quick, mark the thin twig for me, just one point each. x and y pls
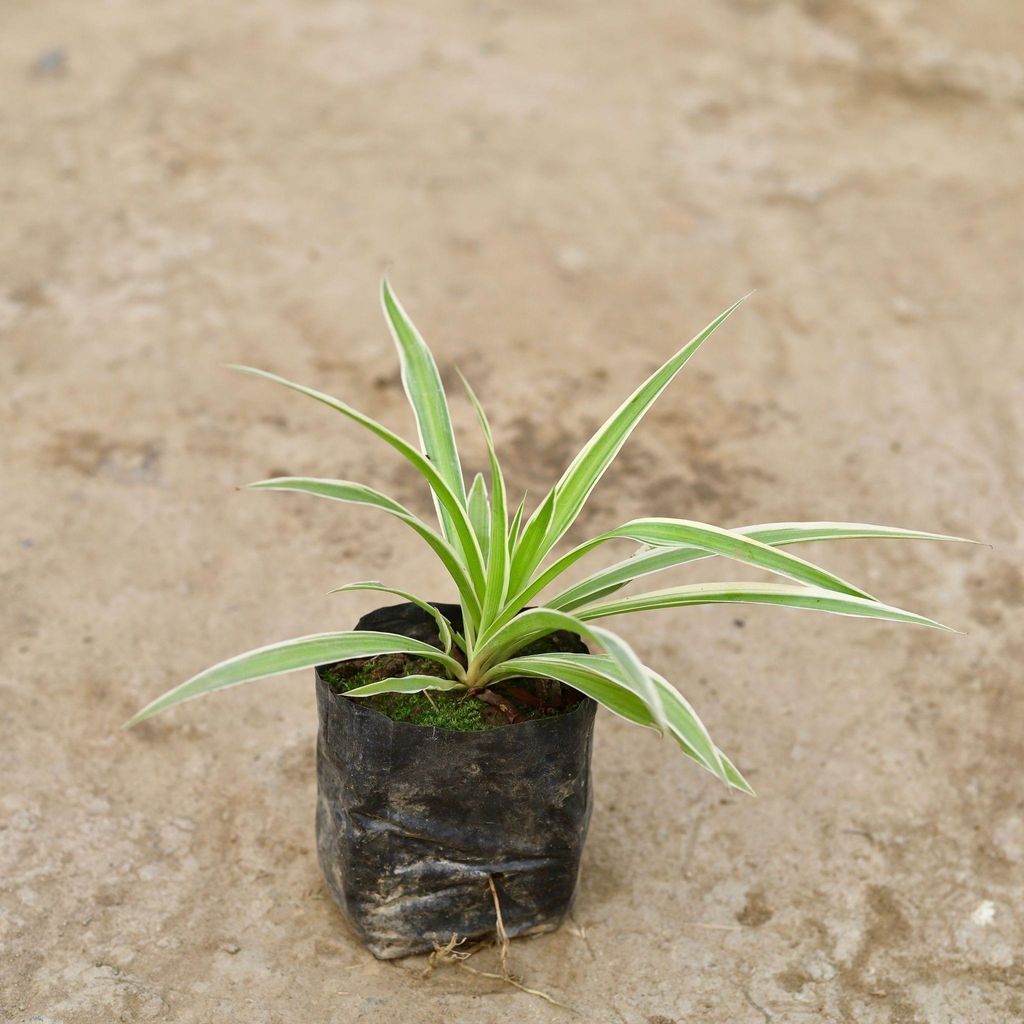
(578, 929)
(510, 980)
(502, 934)
(713, 927)
(505, 706)
(768, 1017)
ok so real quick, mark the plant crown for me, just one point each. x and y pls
(500, 561)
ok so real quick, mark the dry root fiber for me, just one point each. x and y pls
(452, 953)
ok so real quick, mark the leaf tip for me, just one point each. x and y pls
(389, 301)
(961, 540)
(935, 624)
(942, 627)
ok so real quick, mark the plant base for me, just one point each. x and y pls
(414, 822)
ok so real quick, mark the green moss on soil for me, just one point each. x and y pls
(447, 710)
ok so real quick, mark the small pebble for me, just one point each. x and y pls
(231, 947)
(905, 310)
(572, 260)
(984, 914)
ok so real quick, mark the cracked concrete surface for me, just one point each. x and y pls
(561, 194)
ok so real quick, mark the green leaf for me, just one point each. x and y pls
(339, 490)
(733, 545)
(588, 467)
(344, 490)
(513, 529)
(646, 562)
(530, 549)
(695, 539)
(596, 596)
(734, 778)
(799, 533)
(633, 673)
(426, 395)
(496, 586)
(303, 652)
(405, 684)
(613, 695)
(596, 676)
(480, 510)
(782, 594)
(465, 540)
(537, 622)
(444, 627)
(684, 724)
(680, 718)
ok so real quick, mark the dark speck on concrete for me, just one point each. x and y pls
(51, 63)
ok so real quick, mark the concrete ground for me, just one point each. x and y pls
(562, 194)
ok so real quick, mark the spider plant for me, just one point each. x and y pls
(501, 562)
